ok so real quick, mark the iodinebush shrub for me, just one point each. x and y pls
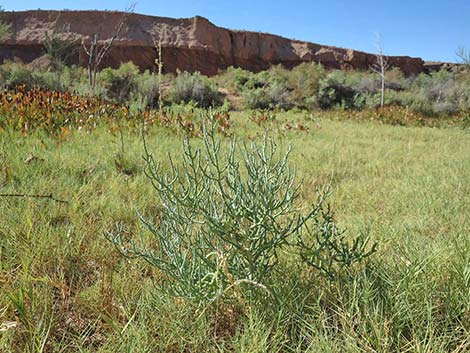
(226, 218)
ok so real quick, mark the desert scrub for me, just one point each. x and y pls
(126, 85)
(226, 217)
(194, 87)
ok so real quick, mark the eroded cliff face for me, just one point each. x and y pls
(187, 44)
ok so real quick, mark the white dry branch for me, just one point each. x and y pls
(380, 67)
(463, 56)
(8, 325)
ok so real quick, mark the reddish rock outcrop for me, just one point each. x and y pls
(187, 44)
(430, 66)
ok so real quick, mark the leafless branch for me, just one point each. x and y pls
(463, 56)
(380, 67)
(51, 197)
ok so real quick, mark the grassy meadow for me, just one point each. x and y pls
(65, 288)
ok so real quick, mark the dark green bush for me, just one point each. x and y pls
(333, 94)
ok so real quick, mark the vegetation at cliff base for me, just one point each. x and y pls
(442, 95)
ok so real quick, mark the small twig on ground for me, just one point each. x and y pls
(51, 197)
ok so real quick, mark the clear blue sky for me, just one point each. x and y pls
(429, 29)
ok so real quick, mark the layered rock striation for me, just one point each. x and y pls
(193, 44)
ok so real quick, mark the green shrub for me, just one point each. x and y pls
(234, 79)
(223, 221)
(127, 85)
(396, 79)
(119, 84)
(435, 86)
(193, 87)
(333, 94)
(51, 80)
(147, 89)
(304, 81)
(440, 93)
(15, 74)
(257, 99)
(273, 96)
(360, 89)
(268, 90)
(69, 79)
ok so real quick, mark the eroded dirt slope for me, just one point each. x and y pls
(187, 44)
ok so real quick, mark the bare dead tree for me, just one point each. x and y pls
(96, 51)
(463, 56)
(380, 67)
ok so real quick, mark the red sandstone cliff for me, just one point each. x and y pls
(187, 44)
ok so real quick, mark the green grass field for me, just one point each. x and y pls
(65, 288)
